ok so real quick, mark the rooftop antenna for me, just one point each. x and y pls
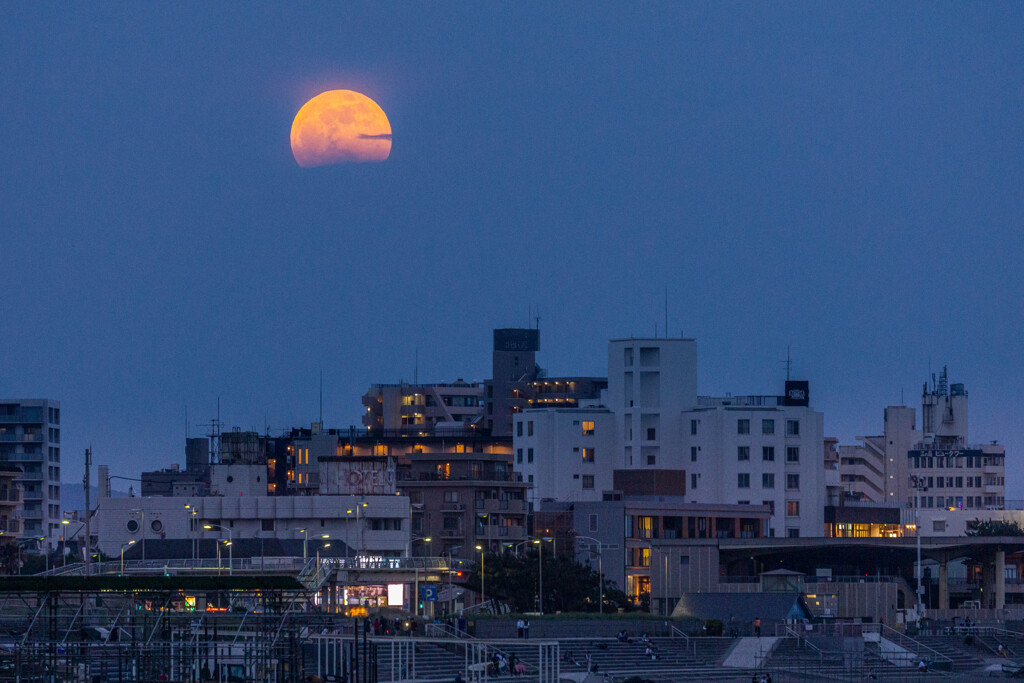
(789, 363)
(416, 369)
(321, 396)
(666, 310)
(536, 320)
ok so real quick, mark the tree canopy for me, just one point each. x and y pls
(994, 527)
(568, 585)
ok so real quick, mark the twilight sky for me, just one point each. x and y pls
(844, 179)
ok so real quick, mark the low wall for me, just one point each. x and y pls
(572, 628)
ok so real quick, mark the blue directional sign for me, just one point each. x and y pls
(428, 593)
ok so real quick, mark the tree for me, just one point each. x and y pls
(994, 527)
(568, 585)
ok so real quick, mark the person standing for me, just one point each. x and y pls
(526, 629)
(519, 628)
(757, 627)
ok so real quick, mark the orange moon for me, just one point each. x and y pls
(340, 126)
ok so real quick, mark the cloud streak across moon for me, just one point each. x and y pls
(340, 126)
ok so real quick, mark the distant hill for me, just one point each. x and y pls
(72, 496)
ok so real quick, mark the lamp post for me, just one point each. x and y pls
(481, 549)
(540, 561)
(305, 544)
(194, 528)
(123, 546)
(600, 570)
(231, 559)
(142, 518)
(63, 542)
(356, 509)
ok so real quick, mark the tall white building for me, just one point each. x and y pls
(759, 450)
(30, 439)
(567, 454)
(754, 450)
(650, 383)
(935, 467)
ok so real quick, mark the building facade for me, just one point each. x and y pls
(462, 500)
(933, 467)
(566, 454)
(30, 439)
(423, 407)
(758, 450)
(650, 383)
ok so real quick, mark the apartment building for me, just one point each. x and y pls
(462, 500)
(566, 454)
(650, 383)
(30, 439)
(759, 450)
(416, 408)
(934, 467)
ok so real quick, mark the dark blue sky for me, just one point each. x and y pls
(844, 179)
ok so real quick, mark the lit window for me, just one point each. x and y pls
(588, 455)
(792, 508)
(588, 428)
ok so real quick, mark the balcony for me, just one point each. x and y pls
(496, 505)
(10, 526)
(24, 438)
(452, 507)
(452, 533)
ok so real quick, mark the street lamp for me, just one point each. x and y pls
(540, 572)
(305, 544)
(481, 549)
(123, 546)
(600, 570)
(194, 528)
(142, 514)
(63, 542)
(231, 559)
(356, 508)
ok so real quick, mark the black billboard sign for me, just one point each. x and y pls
(797, 393)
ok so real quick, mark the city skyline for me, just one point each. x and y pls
(839, 181)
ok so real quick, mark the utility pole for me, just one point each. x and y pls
(88, 513)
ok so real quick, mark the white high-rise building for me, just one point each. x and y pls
(935, 467)
(30, 439)
(755, 450)
(650, 383)
(759, 450)
(566, 454)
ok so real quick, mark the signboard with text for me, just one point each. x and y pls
(348, 476)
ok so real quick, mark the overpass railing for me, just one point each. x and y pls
(250, 565)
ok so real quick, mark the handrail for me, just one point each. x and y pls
(884, 630)
(445, 631)
(674, 631)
